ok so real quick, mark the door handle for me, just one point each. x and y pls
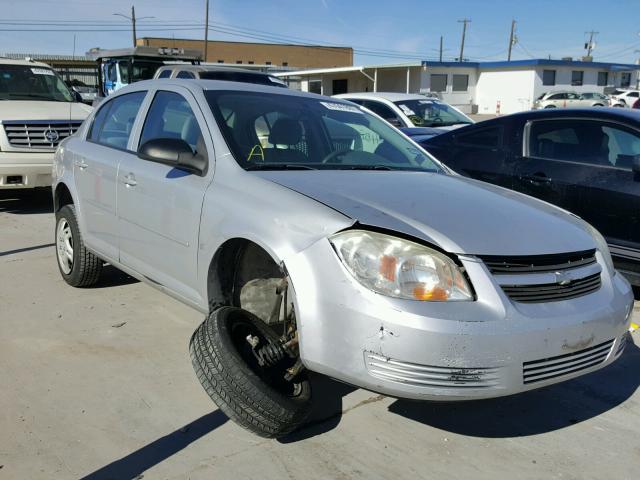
(536, 179)
(81, 164)
(130, 180)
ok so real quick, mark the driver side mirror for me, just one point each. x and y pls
(76, 95)
(174, 152)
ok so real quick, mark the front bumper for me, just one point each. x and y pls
(451, 350)
(25, 170)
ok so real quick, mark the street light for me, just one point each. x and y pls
(133, 21)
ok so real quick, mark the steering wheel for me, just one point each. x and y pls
(437, 119)
(334, 155)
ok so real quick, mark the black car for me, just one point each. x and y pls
(586, 161)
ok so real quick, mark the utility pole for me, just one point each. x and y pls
(512, 39)
(464, 33)
(132, 18)
(590, 45)
(133, 22)
(206, 30)
(440, 48)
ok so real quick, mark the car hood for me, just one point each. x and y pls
(458, 214)
(37, 110)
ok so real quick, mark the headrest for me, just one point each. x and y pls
(286, 131)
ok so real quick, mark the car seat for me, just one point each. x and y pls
(288, 132)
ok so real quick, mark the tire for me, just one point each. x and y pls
(78, 266)
(235, 383)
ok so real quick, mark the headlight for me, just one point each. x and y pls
(601, 245)
(400, 268)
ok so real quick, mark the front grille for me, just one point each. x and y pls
(538, 263)
(553, 367)
(552, 292)
(429, 376)
(39, 134)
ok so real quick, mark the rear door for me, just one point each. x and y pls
(159, 206)
(609, 192)
(95, 170)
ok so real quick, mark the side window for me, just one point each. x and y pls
(558, 96)
(488, 137)
(170, 116)
(98, 121)
(623, 145)
(382, 110)
(572, 96)
(584, 141)
(113, 123)
(634, 94)
(165, 74)
(185, 74)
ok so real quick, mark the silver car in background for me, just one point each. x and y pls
(561, 99)
(316, 237)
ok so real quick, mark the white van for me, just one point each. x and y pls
(37, 111)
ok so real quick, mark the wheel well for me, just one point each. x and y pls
(62, 197)
(243, 274)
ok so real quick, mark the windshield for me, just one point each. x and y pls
(427, 113)
(23, 82)
(272, 131)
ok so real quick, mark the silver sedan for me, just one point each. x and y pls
(316, 237)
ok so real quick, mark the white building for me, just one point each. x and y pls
(474, 87)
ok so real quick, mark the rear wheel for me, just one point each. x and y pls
(78, 266)
(259, 398)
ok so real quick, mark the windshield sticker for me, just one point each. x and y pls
(407, 111)
(42, 71)
(341, 107)
(256, 151)
(428, 102)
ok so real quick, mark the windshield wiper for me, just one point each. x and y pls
(278, 166)
(365, 167)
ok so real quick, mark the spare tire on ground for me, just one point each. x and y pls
(258, 398)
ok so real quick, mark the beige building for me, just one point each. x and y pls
(245, 53)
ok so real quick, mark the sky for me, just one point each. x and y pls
(381, 31)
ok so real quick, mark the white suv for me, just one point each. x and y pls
(37, 112)
(624, 98)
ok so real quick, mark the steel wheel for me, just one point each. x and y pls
(64, 246)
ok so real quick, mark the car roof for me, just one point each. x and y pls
(601, 113)
(28, 63)
(391, 96)
(223, 85)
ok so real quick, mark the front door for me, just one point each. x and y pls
(479, 152)
(95, 170)
(585, 166)
(159, 206)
